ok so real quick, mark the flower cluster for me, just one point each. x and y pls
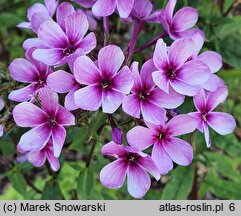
(110, 81)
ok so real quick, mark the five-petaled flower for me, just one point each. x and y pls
(167, 148)
(205, 103)
(131, 162)
(46, 123)
(148, 100)
(105, 87)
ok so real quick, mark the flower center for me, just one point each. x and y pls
(132, 157)
(53, 121)
(104, 84)
(160, 136)
(204, 117)
(41, 83)
(69, 50)
(171, 74)
(143, 95)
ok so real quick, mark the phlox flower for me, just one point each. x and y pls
(1, 108)
(166, 147)
(104, 86)
(131, 162)
(38, 13)
(28, 71)
(105, 8)
(146, 98)
(180, 24)
(65, 39)
(174, 69)
(46, 122)
(205, 103)
(38, 158)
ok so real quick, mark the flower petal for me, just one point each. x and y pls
(113, 175)
(76, 26)
(88, 43)
(61, 81)
(160, 57)
(124, 7)
(136, 77)
(213, 83)
(110, 59)
(223, 123)
(153, 113)
(184, 19)
(51, 35)
(140, 137)
(161, 159)
(23, 71)
(184, 88)
(51, 6)
(31, 43)
(27, 114)
(200, 101)
(64, 117)
(215, 98)
(23, 94)
(131, 106)
(148, 164)
(37, 158)
(123, 81)
(180, 51)
(160, 79)
(58, 137)
(88, 98)
(64, 10)
(39, 18)
(85, 71)
(215, 64)
(113, 149)
(35, 139)
(146, 74)
(179, 151)
(169, 10)
(104, 7)
(138, 181)
(69, 102)
(54, 162)
(111, 100)
(181, 124)
(206, 135)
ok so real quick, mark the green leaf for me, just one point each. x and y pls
(180, 184)
(79, 136)
(96, 122)
(85, 183)
(18, 181)
(7, 146)
(52, 191)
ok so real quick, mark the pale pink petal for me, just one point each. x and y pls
(64, 117)
(168, 101)
(27, 114)
(54, 162)
(213, 83)
(153, 113)
(177, 126)
(37, 158)
(88, 98)
(161, 159)
(199, 119)
(104, 7)
(215, 98)
(140, 137)
(23, 94)
(69, 102)
(58, 137)
(113, 175)
(160, 56)
(51, 6)
(184, 88)
(136, 77)
(113, 149)
(160, 79)
(124, 7)
(138, 181)
(179, 151)
(39, 18)
(61, 81)
(131, 106)
(123, 81)
(35, 139)
(86, 3)
(88, 43)
(198, 39)
(169, 10)
(200, 101)
(194, 73)
(206, 135)
(51, 35)
(111, 100)
(37, 7)
(110, 59)
(180, 51)
(76, 26)
(142, 9)
(48, 100)
(85, 71)
(26, 25)
(184, 19)
(64, 10)
(212, 59)
(146, 74)
(49, 56)
(148, 164)
(222, 123)
(23, 71)
(31, 43)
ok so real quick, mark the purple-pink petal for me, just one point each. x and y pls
(58, 137)
(37, 158)
(113, 149)
(124, 7)
(88, 43)
(160, 56)
(111, 100)
(131, 106)
(63, 11)
(54, 162)
(104, 7)
(69, 102)
(64, 117)
(215, 63)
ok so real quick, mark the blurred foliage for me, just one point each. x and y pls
(215, 172)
